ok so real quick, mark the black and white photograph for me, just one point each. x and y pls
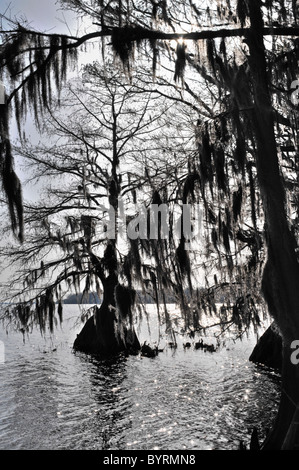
(149, 229)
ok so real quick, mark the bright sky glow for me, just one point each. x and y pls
(40, 14)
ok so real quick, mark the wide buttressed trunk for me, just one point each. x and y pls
(272, 352)
(285, 432)
(106, 332)
(268, 350)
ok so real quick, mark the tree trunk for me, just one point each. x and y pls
(285, 432)
(268, 350)
(105, 334)
(281, 273)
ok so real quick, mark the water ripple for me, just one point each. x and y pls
(52, 398)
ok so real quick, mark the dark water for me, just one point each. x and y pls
(54, 399)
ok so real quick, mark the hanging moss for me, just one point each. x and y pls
(282, 13)
(219, 162)
(50, 307)
(225, 237)
(212, 219)
(23, 313)
(240, 153)
(87, 224)
(109, 260)
(156, 198)
(86, 291)
(155, 288)
(18, 115)
(228, 218)
(225, 136)
(60, 311)
(211, 53)
(127, 268)
(39, 316)
(214, 238)
(251, 238)
(64, 57)
(155, 52)
(39, 56)
(237, 203)
(223, 48)
(205, 157)
(180, 63)
(123, 42)
(135, 253)
(10, 181)
(154, 10)
(189, 186)
(125, 300)
(183, 258)
(10, 53)
(132, 265)
(242, 11)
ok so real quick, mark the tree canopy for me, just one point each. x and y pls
(119, 143)
(238, 61)
(205, 54)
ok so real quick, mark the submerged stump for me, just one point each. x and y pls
(103, 335)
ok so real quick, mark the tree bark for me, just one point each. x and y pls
(107, 333)
(268, 350)
(285, 432)
(104, 334)
(281, 273)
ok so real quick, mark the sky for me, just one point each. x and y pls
(44, 15)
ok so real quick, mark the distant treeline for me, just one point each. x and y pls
(219, 296)
(93, 298)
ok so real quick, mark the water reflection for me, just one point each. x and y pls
(53, 398)
(108, 389)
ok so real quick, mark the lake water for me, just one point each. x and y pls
(53, 398)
